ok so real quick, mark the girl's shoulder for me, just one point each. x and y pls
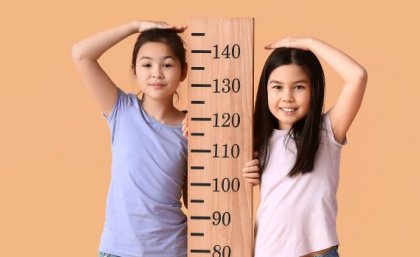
(123, 101)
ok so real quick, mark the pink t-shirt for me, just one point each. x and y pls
(297, 215)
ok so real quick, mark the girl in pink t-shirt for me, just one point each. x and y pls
(299, 147)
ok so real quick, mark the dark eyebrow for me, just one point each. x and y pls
(150, 58)
(274, 82)
(295, 82)
(301, 81)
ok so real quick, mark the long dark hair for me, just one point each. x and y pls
(305, 132)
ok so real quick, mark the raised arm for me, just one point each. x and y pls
(355, 76)
(87, 52)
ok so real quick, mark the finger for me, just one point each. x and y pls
(254, 162)
(185, 133)
(251, 175)
(179, 29)
(253, 181)
(160, 24)
(275, 45)
(284, 42)
(270, 46)
(166, 26)
(254, 169)
(251, 169)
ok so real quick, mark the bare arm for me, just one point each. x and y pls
(87, 52)
(350, 99)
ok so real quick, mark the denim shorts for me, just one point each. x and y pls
(101, 254)
(331, 253)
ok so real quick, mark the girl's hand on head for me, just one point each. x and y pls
(146, 25)
(185, 126)
(251, 172)
(291, 42)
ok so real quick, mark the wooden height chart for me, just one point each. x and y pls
(220, 136)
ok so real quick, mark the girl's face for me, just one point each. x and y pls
(289, 94)
(158, 71)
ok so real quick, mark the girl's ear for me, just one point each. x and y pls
(184, 72)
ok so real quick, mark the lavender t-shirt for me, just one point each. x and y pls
(143, 215)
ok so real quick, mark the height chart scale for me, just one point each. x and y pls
(221, 52)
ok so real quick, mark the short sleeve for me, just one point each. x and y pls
(121, 104)
(329, 131)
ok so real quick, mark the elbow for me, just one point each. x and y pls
(77, 54)
(362, 76)
(359, 77)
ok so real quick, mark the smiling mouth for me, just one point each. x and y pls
(156, 85)
(288, 110)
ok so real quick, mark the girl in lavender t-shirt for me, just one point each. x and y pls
(149, 152)
(299, 147)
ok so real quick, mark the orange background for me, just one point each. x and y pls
(55, 150)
